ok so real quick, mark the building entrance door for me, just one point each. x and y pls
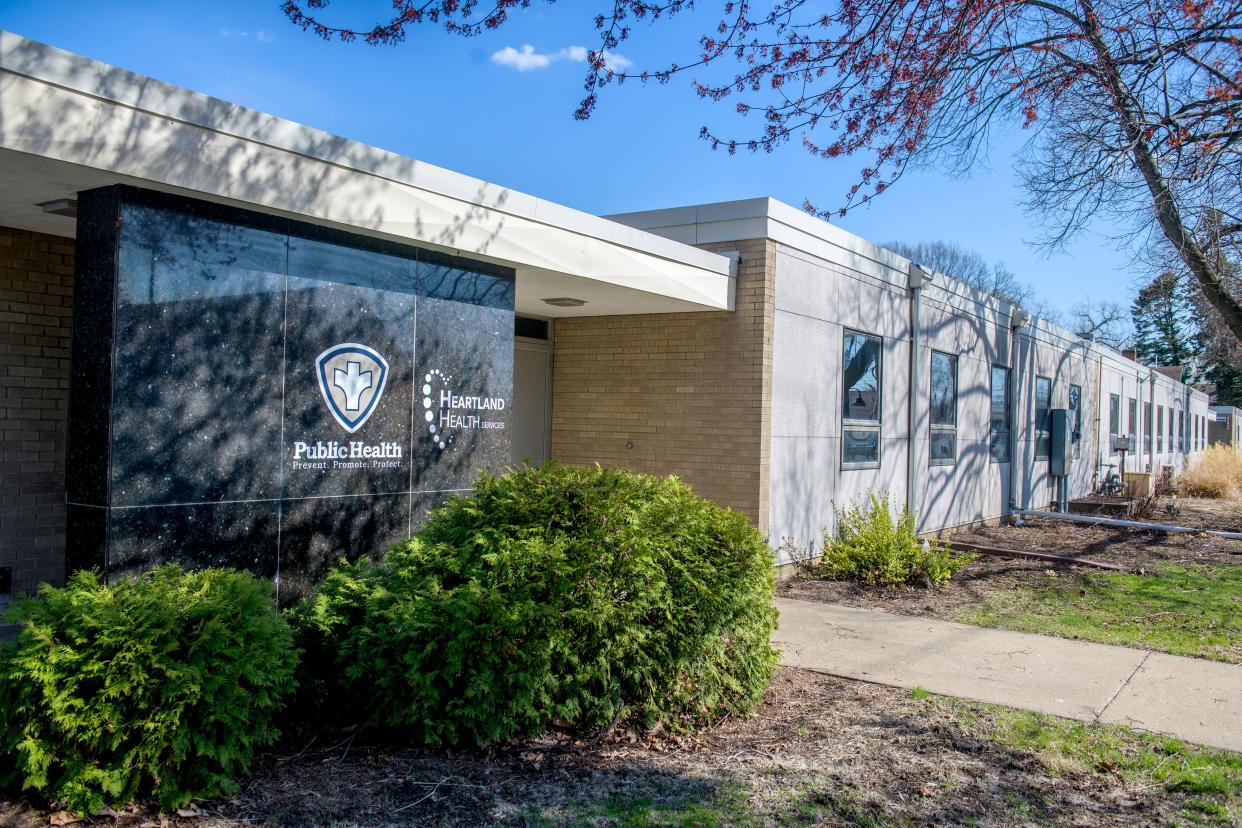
(532, 401)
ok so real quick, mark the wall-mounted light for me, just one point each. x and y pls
(67, 207)
(565, 302)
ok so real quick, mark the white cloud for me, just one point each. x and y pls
(616, 62)
(523, 60)
(260, 36)
(526, 59)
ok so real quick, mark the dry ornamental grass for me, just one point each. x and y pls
(1217, 473)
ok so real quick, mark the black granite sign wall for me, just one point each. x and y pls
(262, 394)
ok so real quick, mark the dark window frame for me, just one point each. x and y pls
(999, 436)
(942, 429)
(1114, 422)
(1042, 430)
(1075, 406)
(860, 425)
(1147, 431)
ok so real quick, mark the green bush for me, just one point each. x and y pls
(161, 684)
(873, 546)
(555, 595)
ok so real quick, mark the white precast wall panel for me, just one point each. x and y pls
(1127, 381)
(828, 280)
(1044, 352)
(815, 303)
(974, 487)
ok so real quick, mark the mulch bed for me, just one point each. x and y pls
(820, 750)
(1135, 548)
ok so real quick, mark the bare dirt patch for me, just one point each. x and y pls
(1138, 549)
(821, 750)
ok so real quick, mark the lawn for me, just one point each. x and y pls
(1184, 610)
(1185, 598)
(1210, 780)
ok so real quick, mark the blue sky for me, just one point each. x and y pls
(445, 100)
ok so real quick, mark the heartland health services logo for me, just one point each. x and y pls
(445, 412)
(352, 379)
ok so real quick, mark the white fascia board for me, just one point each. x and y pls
(760, 218)
(63, 106)
(767, 218)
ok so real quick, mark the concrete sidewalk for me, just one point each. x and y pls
(1193, 699)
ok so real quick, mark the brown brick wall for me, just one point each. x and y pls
(690, 391)
(36, 304)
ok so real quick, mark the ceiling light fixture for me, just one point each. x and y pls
(60, 207)
(565, 302)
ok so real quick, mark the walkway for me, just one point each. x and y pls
(1193, 699)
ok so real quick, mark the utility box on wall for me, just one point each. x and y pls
(253, 392)
(1060, 443)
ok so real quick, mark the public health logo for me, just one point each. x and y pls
(352, 379)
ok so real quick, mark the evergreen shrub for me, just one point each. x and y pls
(878, 545)
(552, 596)
(162, 684)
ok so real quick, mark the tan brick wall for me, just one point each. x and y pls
(36, 305)
(690, 391)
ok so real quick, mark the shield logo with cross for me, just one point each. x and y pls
(351, 378)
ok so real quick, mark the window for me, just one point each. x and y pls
(998, 430)
(1114, 422)
(531, 328)
(1170, 428)
(1133, 422)
(860, 411)
(1181, 431)
(1075, 417)
(1043, 416)
(1159, 429)
(943, 409)
(1146, 428)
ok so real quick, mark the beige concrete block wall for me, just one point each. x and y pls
(36, 304)
(690, 392)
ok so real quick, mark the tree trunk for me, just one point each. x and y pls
(1167, 213)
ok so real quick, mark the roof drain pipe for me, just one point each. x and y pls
(1151, 431)
(1017, 318)
(917, 276)
(1168, 528)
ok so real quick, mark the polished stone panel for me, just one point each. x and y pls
(90, 398)
(465, 372)
(236, 535)
(197, 381)
(343, 296)
(86, 535)
(318, 532)
(272, 395)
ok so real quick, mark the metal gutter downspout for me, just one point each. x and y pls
(1017, 318)
(916, 277)
(1151, 432)
(1136, 439)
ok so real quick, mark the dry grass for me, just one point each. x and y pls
(1217, 472)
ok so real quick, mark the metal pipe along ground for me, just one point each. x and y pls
(1127, 524)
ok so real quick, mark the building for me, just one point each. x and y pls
(1225, 427)
(230, 339)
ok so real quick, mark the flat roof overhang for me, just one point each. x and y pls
(69, 123)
